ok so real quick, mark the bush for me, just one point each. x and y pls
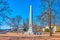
(58, 29)
(46, 30)
(25, 29)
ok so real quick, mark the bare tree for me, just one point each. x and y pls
(4, 9)
(18, 21)
(14, 23)
(48, 9)
(25, 25)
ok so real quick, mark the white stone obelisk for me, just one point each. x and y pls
(30, 19)
(30, 31)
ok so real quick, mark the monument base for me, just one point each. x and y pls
(29, 31)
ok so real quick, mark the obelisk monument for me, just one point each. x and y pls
(30, 31)
(30, 18)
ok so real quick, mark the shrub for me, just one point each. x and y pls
(46, 30)
(25, 29)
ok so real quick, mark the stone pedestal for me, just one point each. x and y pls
(30, 30)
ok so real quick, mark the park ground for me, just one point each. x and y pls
(19, 36)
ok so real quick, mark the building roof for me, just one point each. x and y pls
(52, 25)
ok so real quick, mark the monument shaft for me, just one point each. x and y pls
(30, 31)
(30, 19)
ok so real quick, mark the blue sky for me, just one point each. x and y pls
(21, 8)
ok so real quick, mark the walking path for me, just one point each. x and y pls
(15, 36)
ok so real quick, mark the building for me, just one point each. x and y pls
(57, 29)
(54, 28)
